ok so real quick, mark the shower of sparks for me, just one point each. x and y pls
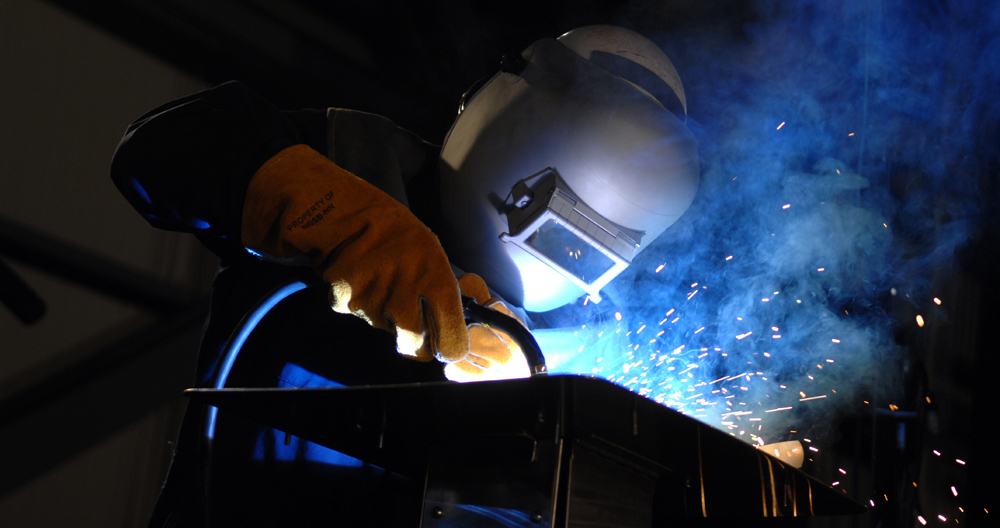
(740, 370)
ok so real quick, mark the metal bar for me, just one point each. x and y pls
(87, 268)
(19, 296)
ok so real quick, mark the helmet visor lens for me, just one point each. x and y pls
(570, 252)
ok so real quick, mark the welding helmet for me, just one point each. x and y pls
(566, 164)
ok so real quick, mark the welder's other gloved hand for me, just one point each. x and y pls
(382, 263)
(493, 354)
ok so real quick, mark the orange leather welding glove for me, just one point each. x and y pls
(493, 354)
(381, 262)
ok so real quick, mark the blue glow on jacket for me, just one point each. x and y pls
(276, 445)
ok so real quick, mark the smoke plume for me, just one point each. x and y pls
(843, 146)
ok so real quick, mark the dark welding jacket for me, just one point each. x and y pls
(185, 166)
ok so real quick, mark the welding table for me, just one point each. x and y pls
(558, 451)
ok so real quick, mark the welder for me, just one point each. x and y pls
(558, 170)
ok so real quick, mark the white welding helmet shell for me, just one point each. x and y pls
(556, 174)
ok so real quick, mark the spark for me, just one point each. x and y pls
(730, 257)
(922, 520)
(813, 398)
(821, 269)
(937, 301)
(618, 316)
(780, 409)
(741, 336)
(835, 340)
(920, 320)
(786, 206)
(781, 125)
(960, 461)
(943, 518)
(954, 491)
(848, 135)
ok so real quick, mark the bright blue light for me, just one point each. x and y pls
(198, 224)
(139, 190)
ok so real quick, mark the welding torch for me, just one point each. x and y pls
(510, 326)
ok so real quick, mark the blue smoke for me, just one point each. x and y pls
(842, 146)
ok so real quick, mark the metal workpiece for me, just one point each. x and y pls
(544, 451)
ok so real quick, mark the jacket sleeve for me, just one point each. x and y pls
(185, 166)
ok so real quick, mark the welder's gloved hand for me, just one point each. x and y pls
(382, 263)
(493, 354)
